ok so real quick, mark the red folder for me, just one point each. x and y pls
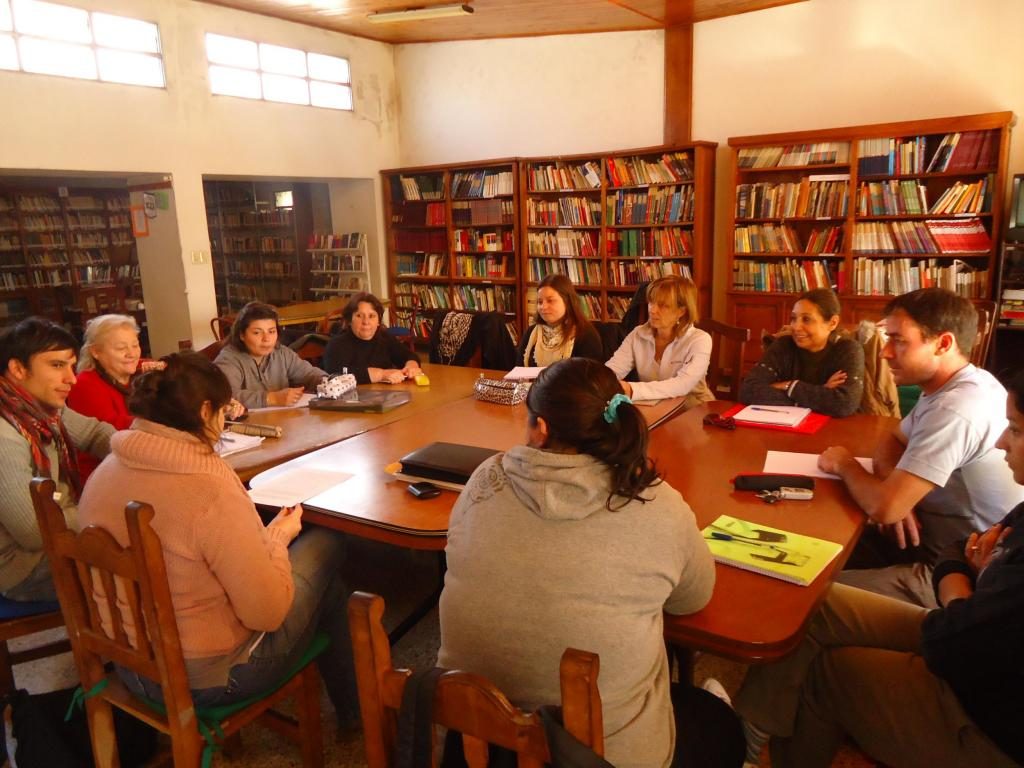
(808, 426)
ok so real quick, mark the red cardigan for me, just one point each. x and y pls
(92, 396)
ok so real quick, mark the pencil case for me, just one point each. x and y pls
(771, 482)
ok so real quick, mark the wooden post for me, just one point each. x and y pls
(678, 83)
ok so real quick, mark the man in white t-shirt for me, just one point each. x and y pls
(938, 476)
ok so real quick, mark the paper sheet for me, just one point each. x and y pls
(302, 403)
(523, 373)
(786, 463)
(233, 442)
(294, 486)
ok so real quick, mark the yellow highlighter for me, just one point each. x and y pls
(422, 380)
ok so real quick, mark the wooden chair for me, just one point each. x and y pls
(210, 351)
(13, 627)
(987, 314)
(728, 342)
(465, 702)
(140, 604)
(221, 326)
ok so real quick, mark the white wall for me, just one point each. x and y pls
(183, 131)
(472, 100)
(830, 63)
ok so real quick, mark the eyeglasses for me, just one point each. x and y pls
(722, 422)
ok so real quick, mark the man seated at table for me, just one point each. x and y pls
(938, 476)
(37, 433)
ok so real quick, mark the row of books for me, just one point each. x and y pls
(265, 244)
(8, 223)
(42, 223)
(333, 262)
(635, 272)
(86, 221)
(478, 240)
(418, 214)
(893, 156)
(10, 281)
(129, 272)
(929, 236)
(122, 238)
(93, 274)
(545, 177)
(655, 243)
(787, 275)
(422, 187)
(89, 239)
(431, 296)
(668, 205)
(482, 212)
(334, 240)
(476, 298)
(243, 268)
(1011, 307)
(482, 183)
(581, 271)
(818, 153)
(279, 269)
(634, 171)
(10, 242)
(38, 203)
(782, 238)
(967, 151)
(48, 259)
(562, 243)
(89, 257)
(429, 241)
(884, 277)
(821, 196)
(564, 212)
(120, 221)
(267, 217)
(908, 197)
(423, 264)
(617, 306)
(50, 278)
(338, 283)
(44, 238)
(484, 266)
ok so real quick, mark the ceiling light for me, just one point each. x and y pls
(417, 14)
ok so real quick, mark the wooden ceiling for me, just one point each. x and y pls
(499, 18)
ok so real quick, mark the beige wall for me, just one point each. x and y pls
(829, 63)
(565, 94)
(185, 132)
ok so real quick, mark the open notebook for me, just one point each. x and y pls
(778, 415)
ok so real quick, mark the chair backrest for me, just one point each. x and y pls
(465, 702)
(99, 583)
(726, 368)
(987, 312)
(221, 326)
(452, 341)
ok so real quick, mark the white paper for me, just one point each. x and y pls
(523, 373)
(233, 442)
(302, 403)
(786, 463)
(780, 415)
(294, 486)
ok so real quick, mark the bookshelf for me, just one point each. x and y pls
(870, 210)
(338, 265)
(453, 241)
(255, 238)
(612, 221)
(59, 246)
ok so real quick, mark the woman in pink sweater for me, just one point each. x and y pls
(248, 598)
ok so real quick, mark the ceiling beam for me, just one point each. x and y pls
(678, 83)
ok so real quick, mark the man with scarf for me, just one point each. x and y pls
(38, 437)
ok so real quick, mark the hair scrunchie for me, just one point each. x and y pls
(611, 412)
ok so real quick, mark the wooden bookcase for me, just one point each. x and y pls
(258, 246)
(453, 241)
(339, 265)
(61, 247)
(611, 221)
(871, 210)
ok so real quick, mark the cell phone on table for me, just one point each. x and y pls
(424, 490)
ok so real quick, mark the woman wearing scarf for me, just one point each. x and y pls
(559, 330)
(38, 438)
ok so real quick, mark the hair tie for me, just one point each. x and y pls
(611, 412)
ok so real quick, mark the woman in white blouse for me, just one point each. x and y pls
(669, 353)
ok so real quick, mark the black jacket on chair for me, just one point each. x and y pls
(487, 333)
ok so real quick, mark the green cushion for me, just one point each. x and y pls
(909, 395)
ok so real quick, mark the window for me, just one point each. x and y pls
(52, 39)
(274, 73)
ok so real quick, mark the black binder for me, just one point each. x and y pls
(371, 401)
(446, 462)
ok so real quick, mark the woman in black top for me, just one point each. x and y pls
(813, 367)
(559, 330)
(367, 350)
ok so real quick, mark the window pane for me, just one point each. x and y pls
(56, 22)
(8, 53)
(283, 61)
(329, 68)
(232, 51)
(234, 82)
(51, 58)
(291, 90)
(131, 68)
(125, 33)
(5, 16)
(330, 95)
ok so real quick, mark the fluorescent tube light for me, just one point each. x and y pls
(417, 14)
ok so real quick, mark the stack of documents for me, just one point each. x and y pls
(233, 442)
(777, 415)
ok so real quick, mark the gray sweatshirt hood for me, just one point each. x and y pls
(557, 486)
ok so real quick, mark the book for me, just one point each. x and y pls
(369, 401)
(778, 415)
(445, 462)
(791, 557)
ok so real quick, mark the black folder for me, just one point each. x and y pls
(446, 462)
(371, 401)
